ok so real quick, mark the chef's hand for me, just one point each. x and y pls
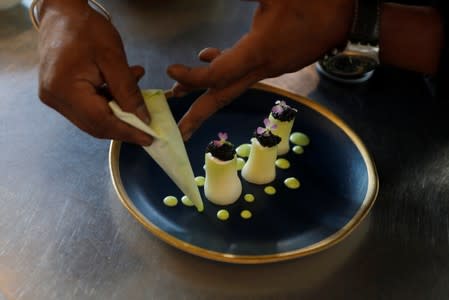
(286, 35)
(80, 52)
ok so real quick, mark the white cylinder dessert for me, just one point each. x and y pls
(283, 116)
(222, 185)
(260, 167)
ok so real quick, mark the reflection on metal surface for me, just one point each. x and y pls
(14, 21)
(366, 205)
(303, 82)
(8, 4)
(305, 274)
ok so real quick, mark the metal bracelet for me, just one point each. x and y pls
(34, 12)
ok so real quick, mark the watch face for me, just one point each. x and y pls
(348, 65)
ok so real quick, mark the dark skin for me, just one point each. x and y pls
(80, 50)
(410, 38)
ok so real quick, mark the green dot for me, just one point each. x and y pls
(199, 180)
(186, 201)
(292, 183)
(298, 149)
(246, 214)
(243, 150)
(249, 197)
(170, 201)
(299, 138)
(282, 163)
(240, 163)
(270, 190)
(223, 214)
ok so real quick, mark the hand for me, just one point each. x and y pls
(286, 35)
(80, 52)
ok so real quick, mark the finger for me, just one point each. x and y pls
(206, 55)
(180, 90)
(209, 54)
(92, 114)
(226, 68)
(213, 100)
(138, 72)
(121, 82)
(104, 91)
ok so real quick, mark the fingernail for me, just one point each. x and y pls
(146, 141)
(172, 69)
(142, 113)
(179, 93)
(202, 52)
(186, 135)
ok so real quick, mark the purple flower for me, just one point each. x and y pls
(268, 127)
(223, 136)
(279, 107)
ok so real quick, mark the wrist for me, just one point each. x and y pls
(345, 17)
(417, 30)
(45, 6)
(58, 7)
(39, 9)
(355, 60)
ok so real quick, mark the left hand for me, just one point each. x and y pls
(286, 35)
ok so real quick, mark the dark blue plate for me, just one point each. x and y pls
(338, 178)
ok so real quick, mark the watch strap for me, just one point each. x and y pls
(365, 26)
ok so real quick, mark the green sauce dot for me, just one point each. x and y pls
(246, 214)
(270, 190)
(292, 183)
(299, 138)
(170, 201)
(186, 201)
(243, 150)
(282, 163)
(223, 214)
(298, 149)
(240, 163)
(249, 197)
(199, 180)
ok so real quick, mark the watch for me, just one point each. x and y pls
(360, 56)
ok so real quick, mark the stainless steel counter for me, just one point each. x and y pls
(65, 235)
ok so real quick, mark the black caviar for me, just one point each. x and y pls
(267, 139)
(286, 114)
(224, 152)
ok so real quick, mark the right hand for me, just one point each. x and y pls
(80, 51)
(285, 36)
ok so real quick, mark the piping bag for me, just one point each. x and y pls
(168, 149)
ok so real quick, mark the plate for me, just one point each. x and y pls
(339, 185)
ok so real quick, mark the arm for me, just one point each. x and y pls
(287, 35)
(79, 52)
(411, 37)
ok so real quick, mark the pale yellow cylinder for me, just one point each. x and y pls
(222, 185)
(260, 167)
(283, 130)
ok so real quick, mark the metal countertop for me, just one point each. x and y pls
(65, 235)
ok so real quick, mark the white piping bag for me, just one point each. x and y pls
(167, 149)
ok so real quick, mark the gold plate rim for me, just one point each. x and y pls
(368, 202)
